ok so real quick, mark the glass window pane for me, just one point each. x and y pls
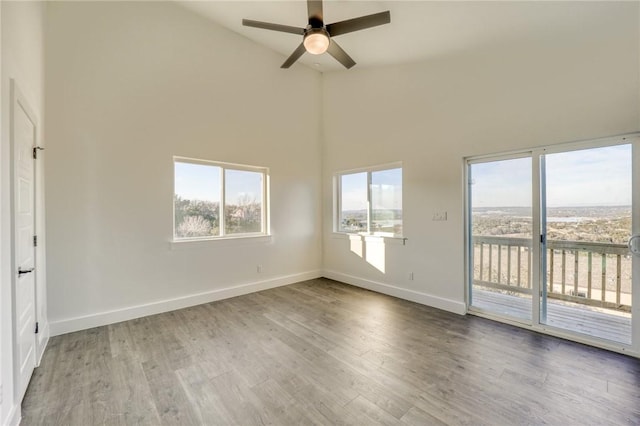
(386, 201)
(501, 237)
(353, 203)
(588, 224)
(243, 202)
(196, 200)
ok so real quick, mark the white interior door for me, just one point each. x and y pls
(24, 140)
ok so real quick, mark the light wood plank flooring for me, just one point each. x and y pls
(321, 352)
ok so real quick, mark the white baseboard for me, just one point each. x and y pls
(15, 416)
(118, 315)
(402, 293)
(41, 342)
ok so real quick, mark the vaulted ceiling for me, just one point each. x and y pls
(419, 30)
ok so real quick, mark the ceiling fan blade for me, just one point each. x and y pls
(294, 56)
(361, 23)
(341, 56)
(315, 13)
(273, 27)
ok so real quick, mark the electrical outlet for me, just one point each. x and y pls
(259, 269)
(410, 276)
(440, 216)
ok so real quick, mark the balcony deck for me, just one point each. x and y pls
(570, 316)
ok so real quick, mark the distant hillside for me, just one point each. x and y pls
(596, 223)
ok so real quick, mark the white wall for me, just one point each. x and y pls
(494, 98)
(22, 60)
(128, 86)
(131, 84)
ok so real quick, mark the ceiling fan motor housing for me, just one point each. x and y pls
(315, 22)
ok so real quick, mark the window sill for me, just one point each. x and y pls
(377, 238)
(240, 240)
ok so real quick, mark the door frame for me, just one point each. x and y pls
(538, 268)
(469, 273)
(18, 100)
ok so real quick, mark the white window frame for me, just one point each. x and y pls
(265, 227)
(337, 199)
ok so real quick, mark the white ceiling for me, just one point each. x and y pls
(419, 30)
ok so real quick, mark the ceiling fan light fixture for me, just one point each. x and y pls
(316, 41)
(317, 38)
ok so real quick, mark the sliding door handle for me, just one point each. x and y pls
(25, 271)
(634, 244)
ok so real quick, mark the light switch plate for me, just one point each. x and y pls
(440, 216)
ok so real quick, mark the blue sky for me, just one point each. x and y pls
(599, 176)
(354, 191)
(386, 191)
(202, 182)
(501, 183)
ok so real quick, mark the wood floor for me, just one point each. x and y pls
(609, 325)
(321, 352)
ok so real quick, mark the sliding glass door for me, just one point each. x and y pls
(587, 224)
(549, 238)
(501, 236)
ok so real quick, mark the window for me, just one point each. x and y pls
(213, 200)
(370, 201)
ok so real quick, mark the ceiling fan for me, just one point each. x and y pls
(317, 37)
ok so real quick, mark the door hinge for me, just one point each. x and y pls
(35, 241)
(37, 327)
(35, 151)
(542, 239)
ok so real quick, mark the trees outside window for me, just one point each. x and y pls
(213, 200)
